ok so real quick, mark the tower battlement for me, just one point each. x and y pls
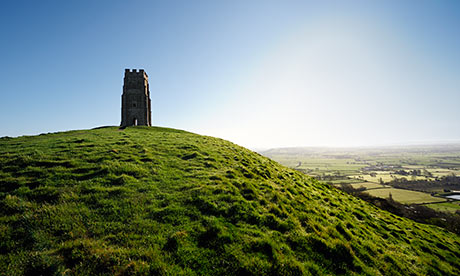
(135, 100)
(133, 73)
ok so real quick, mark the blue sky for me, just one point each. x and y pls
(258, 73)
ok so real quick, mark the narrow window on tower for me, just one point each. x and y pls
(134, 104)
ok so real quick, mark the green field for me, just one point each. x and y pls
(368, 185)
(158, 201)
(405, 196)
(451, 207)
(386, 176)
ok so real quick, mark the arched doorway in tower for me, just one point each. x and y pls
(135, 122)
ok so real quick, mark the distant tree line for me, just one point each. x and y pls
(448, 182)
(415, 212)
(415, 172)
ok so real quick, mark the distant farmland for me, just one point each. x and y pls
(378, 169)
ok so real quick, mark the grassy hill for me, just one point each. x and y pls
(159, 201)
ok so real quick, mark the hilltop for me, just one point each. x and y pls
(149, 200)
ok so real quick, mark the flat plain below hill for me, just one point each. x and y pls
(158, 201)
(378, 169)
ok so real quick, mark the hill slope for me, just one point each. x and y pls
(168, 202)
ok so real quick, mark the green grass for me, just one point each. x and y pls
(367, 185)
(405, 196)
(157, 201)
(450, 207)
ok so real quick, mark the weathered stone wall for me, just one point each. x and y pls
(135, 100)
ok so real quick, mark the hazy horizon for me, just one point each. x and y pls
(262, 74)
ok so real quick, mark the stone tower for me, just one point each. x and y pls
(135, 101)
